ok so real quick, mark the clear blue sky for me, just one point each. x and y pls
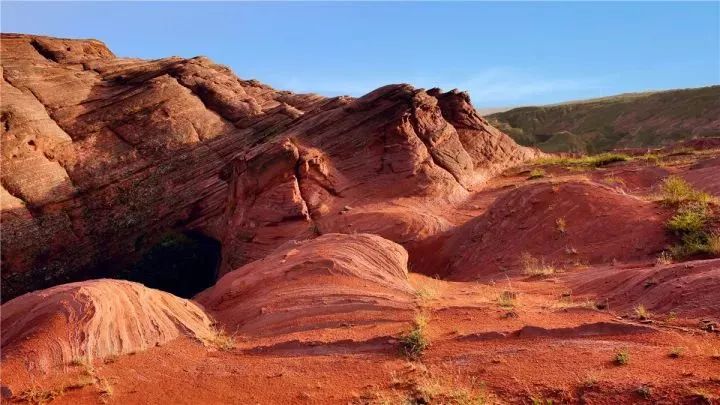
(502, 53)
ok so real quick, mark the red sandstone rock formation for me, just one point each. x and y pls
(95, 319)
(100, 154)
(326, 282)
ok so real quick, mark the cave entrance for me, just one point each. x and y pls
(180, 263)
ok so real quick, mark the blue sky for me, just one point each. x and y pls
(503, 53)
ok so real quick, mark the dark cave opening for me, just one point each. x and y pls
(182, 264)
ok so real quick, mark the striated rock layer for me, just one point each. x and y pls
(92, 319)
(326, 282)
(101, 155)
(564, 224)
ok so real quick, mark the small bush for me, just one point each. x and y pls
(222, 340)
(533, 266)
(506, 299)
(642, 313)
(536, 174)
(675, 191)
(676, 352)
(622, 357)
(664, 258)
(644, 391)
(414, 342)
(690, 223)
(713, 244)
(689, 219)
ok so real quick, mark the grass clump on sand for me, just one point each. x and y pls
(414, 342)
(599, 160)
(222, 340)
(676, 191)
(691, 223)
(536, 174)
(506, 299)
(642, 313)
(676, 352)
(532, 266)
(622, 357)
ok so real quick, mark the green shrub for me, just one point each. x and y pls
(675, 191)
(622, 357)
(536, 174)
(585, 161)
(690, 224)
(689, 219)
(414, 342)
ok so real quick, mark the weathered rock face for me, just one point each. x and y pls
(559, 224)
(325, 282)
(95, 318)
(102, 154)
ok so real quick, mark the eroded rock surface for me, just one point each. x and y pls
(95, 319)
(102, 154)
(326, 282)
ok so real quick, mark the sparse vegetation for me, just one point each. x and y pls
(506, 299)
(561, 225)
(590, 161)
(222, 340)
(690, 224)
(702, 397)
(614, 181)
(692, 219)
(536, 174)
(676, 352)
(415, 341)
(602, 124)
(105, 390)
(622, 357)
(642, 313)
(676, 191)
(664, 258)
(36, 395)
(425, 293)
(532, 266)
(541, 401)
(644, 391)
(81, 382)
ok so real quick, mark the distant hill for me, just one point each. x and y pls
(646, 119)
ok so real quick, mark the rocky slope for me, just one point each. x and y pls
(102, 156)
(637, 120)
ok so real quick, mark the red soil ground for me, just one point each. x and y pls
(337, 340)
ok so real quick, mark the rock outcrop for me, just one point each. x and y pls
(687, 289)
(562, 225)
(95, 319)
(102, 154)
(326, 282)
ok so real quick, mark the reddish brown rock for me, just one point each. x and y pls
(689, 289)
(129, 149)
(326, 282)
(563, 225)
(97, 318)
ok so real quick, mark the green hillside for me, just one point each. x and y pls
(624, 121)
